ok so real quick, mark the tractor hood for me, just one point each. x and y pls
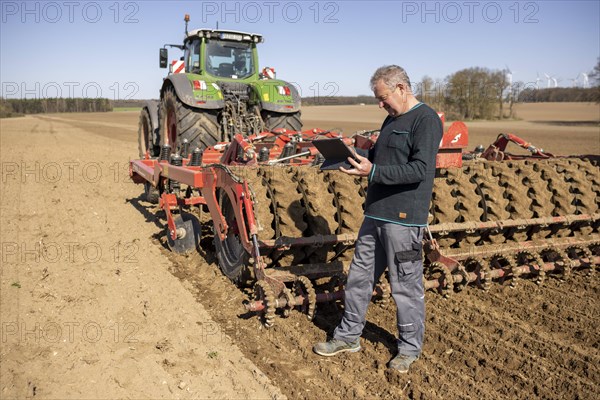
(201, 91)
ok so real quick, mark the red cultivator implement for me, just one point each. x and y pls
(281, 223)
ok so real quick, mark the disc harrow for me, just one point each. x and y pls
(288, 228)
(321, 210)
(289, 212)
(512, 265)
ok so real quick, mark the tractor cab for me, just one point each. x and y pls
(220, 54)
(224, 54)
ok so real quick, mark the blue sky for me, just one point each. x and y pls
(79, 48)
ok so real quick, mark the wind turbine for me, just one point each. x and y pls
(548, 81)
(586, 81)
(509, 75)
(537, 81)
(549, 78)
(574, 81)
(552, 80)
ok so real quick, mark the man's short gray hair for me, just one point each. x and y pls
(391, 75)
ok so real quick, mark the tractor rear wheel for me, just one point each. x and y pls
(146, 136)
(178, 121)
(274, 120)
(232, 257)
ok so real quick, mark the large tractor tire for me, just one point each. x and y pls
(178, 121)
(146, 136)
(274, 120)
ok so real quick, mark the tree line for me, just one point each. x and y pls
(481, 93)
(16, 107)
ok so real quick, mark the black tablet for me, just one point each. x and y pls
(336, 153)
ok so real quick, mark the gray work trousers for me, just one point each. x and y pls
(383, 244)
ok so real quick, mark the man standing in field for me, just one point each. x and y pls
(400, 169)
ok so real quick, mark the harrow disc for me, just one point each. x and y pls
(303, 287)
(263, 292)
(188, 234)
(383, 290)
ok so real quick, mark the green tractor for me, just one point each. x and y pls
(214, 92)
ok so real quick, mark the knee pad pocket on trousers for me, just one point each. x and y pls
(407, 328)
(352, 317)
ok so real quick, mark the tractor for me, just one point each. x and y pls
(214, 91)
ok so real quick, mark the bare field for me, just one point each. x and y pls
(546, 112)
(560, 128)
(94, 306)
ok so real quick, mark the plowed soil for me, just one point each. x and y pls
(94, 305)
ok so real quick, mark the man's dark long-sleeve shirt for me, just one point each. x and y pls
(401, 180)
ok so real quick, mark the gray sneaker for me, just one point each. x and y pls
(402, 362)
(335, 346)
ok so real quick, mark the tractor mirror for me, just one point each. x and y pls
(163, 55)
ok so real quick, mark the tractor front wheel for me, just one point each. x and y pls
(274, 120)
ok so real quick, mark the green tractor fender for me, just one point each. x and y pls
(277, 96)
(211, 99)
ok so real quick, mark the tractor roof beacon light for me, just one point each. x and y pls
(186, 18)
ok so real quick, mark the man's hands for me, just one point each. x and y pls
(361, 168)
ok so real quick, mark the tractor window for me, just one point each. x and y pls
(192, 56)
(229, 59)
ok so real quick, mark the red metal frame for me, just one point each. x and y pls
(497, 150)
